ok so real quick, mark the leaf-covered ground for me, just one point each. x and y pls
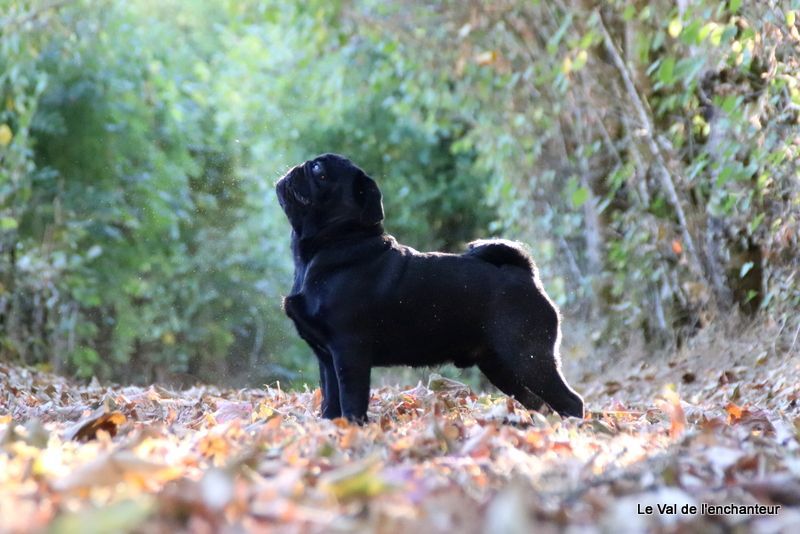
(685, 431)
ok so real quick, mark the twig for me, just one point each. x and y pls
(571, 262)
(667, 180)
(640, 171)
(796, 333)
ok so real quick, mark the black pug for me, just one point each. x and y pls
(360, 299)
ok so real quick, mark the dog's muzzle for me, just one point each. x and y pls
(286, 186)
(297, 195)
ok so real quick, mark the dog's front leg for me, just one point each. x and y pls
(331, 405)
(352, 373)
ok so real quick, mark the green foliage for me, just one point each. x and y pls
(555, 124)
(139, 143)
(140, 232)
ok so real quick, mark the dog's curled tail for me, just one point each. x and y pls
(501, 252)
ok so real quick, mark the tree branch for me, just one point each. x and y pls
(667, 180)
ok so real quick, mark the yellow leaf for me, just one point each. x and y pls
(215, 447)
(6, 135)
(168, 338)
(580, 60)
(486, 58)
(566, 66)
(706, 30)
(264, 412)
(357, 480)
(675, 27)
(715, 38)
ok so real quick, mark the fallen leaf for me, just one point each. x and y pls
(670, 403)
(228, 411)
(101, 419)
(358, 480)
(734, 412)
(216, 488)
(123, 516)
(112, 468)
(439, 383)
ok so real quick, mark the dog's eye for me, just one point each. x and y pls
(316, 170)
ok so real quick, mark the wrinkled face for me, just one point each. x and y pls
(329, 193)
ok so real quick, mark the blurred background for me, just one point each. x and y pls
(646, 151)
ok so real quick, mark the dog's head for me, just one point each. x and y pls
(329, 193)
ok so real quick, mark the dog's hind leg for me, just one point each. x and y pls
(506, 381)
(533, 379)
(525, 361)
(541, 375)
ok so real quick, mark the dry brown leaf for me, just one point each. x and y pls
(670, 403)
(734, 412)
(101, 419)
(112, 468)
(230, 410)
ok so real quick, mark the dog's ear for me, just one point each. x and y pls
(368, 197)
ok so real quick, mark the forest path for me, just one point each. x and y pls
(436, 457)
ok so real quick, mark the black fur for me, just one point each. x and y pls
(360, 299)
(501, 252)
